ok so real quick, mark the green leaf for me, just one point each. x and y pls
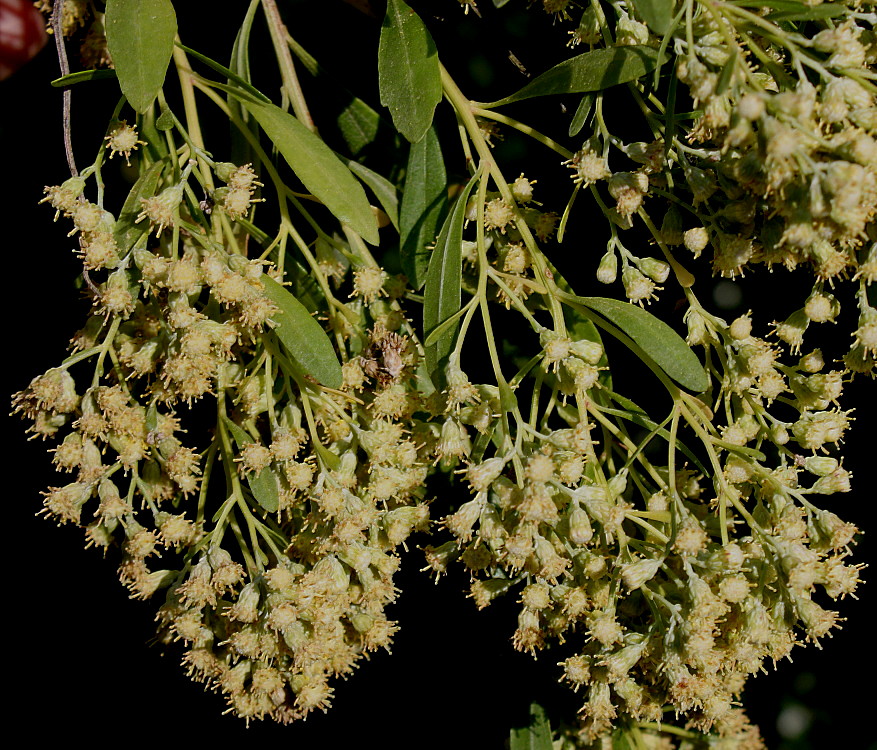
(581, 115)
(656, 13)
(535, 736)
(316, 165)
(265, 485)
(384, 190)
(82, 76)
(359, 125)
(409, 78)
(592, 71)
(424, 199)
(357, 122)
(812, 13)
(140, 39)
(165, 120)
(442, 293)
(660, 342)
(303, 337)
(127, 230)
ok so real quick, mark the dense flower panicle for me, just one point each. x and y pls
(668, 565)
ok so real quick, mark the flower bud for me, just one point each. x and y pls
(696, 240)
(812, 362)
(590, 351)
(607, 271)
(580, 531)
(656, 270)
(741, 328)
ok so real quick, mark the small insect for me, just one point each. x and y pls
(518, 64)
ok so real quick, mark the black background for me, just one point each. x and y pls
(77, 658)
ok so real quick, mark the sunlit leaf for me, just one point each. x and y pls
(140, 39)
(660, 342)
(442, 293)
(316, 165)
(424, 199)
(408, 71)
(303, 337)
(592, 71)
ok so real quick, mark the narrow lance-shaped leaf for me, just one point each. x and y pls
(656, 13)
(592, 71)
(384, 190)
(409, 77)
(424, 199)
(140, 39)
(303, 337)
(442, 294)
(581, 115)
(316, 165)
(263, 485)
(82, 76)
(666, 347)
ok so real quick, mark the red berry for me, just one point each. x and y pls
(22, 34)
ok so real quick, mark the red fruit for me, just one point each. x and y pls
(22, 34)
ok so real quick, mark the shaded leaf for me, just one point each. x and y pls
(656, 13)
(409, 78)
(127, 231)
(384, 190)
(140, 39)
(303, 337)
(581, 115)
(442, 293)
(592, 71)
(359, 125)
(666, 347)
(357, 122)
(424, 199)
(811, 13)
(82, 76)
(265, 485)
(316, 165)
(536, 735)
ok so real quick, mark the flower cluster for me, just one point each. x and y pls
(251, 416)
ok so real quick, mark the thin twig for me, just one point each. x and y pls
(57, 16)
